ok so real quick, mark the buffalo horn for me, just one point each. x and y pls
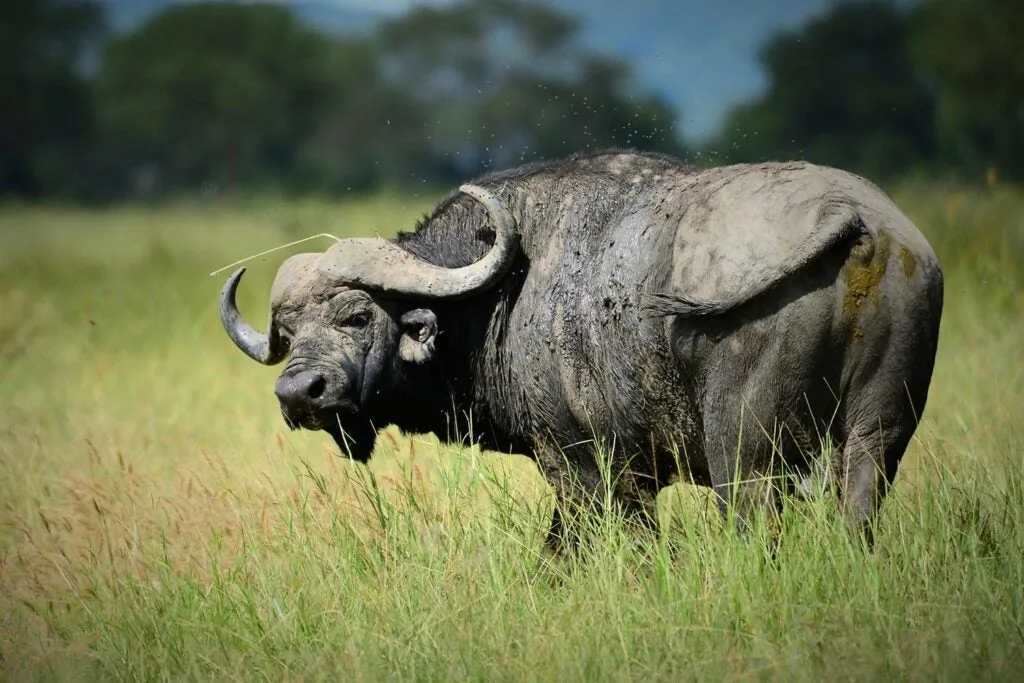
(382, 265)
(262, 348)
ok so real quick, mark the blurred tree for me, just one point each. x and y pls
(843, 91)
(218, 93)
(972, 52)
(224, 92)
(46, 118)
(370, 133)
(215, 92)
(502, 81)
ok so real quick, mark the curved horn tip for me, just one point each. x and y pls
(254, 344)
(227, 292)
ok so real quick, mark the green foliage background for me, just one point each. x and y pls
(219, 96)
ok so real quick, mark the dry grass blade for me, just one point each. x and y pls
(270, 251)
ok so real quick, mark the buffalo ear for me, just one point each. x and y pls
(419, 331)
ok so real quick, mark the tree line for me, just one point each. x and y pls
(220, 96)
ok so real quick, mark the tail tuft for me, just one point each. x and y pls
(658, 305)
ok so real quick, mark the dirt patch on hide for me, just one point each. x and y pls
(908, 264)
(864, 272)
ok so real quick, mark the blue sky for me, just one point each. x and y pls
(701, 55)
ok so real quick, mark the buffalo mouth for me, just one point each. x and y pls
(323, 419)
(355, 437)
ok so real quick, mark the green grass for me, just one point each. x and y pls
(157, 520)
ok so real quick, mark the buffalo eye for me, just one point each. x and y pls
(284, 336)
(361, 319)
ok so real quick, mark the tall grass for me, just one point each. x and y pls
(159, 521)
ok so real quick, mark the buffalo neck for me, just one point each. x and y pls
(450, 395)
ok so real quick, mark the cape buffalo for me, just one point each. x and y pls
(719, 324)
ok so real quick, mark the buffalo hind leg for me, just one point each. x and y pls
(740, 453)
(867, 467)
(878, 419)
(746, 496)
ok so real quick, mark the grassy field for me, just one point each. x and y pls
(157, 520)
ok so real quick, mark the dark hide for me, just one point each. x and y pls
(700, 323)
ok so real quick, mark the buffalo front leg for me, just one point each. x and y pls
(578, 503)
(576, 512)
(582, 499)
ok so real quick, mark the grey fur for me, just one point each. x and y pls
(700, 323)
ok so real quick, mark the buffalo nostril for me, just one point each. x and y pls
(316, 387)
(301, 390)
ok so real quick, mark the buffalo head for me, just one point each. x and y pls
(350, 318)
